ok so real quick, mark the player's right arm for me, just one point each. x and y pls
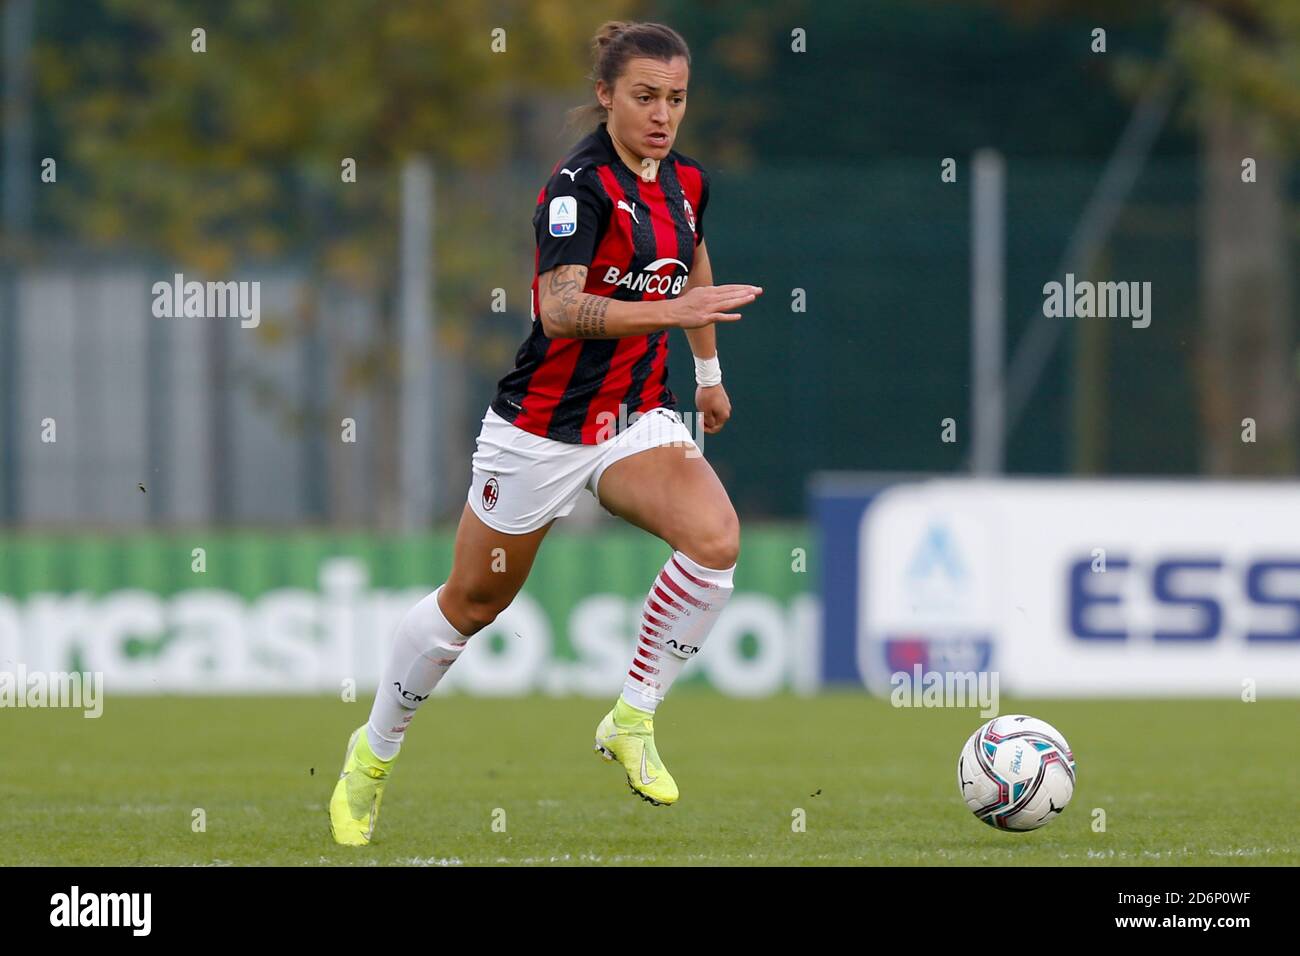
(569, 221)
(566, 312)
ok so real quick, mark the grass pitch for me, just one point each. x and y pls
(1180, 782)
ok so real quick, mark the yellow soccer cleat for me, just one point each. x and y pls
(354, 807)
(628, 735)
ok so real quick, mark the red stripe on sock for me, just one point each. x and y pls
(686, 596)
(667, 598)
(656, 624)
(645, 680)
(690, 577)
(653, 605)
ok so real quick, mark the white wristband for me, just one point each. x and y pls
(708, 372)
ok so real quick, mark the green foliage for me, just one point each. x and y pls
(1244, 54)
(212, 155)
(233, 155)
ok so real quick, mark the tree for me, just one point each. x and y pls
(1241, 62)
(216, 134)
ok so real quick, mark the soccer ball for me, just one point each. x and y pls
(1016, 773)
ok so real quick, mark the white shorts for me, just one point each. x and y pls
(522, 481)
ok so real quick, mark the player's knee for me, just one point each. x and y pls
(473, 608)
(480, 613)
(717, 543)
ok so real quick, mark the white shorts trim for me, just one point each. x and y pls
(534, 480)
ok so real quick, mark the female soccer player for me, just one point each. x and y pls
(620, 261)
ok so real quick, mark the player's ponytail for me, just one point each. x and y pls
(608, 33)
(618, 41)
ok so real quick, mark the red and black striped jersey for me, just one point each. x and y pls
(638, 240)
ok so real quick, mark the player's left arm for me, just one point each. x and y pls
(712, 402)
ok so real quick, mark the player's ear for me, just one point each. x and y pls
(604, 95)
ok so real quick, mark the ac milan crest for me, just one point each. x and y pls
(491, 491)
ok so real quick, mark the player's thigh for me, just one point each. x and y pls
(489, 566)
(675, 496)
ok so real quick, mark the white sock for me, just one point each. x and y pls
(425, 647)
(677, 616)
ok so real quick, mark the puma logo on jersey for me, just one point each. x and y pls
(631, 210)
(571, 173)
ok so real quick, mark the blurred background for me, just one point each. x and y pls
(183, 502)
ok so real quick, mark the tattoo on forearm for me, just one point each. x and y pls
(564, 291)
(591, 317)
